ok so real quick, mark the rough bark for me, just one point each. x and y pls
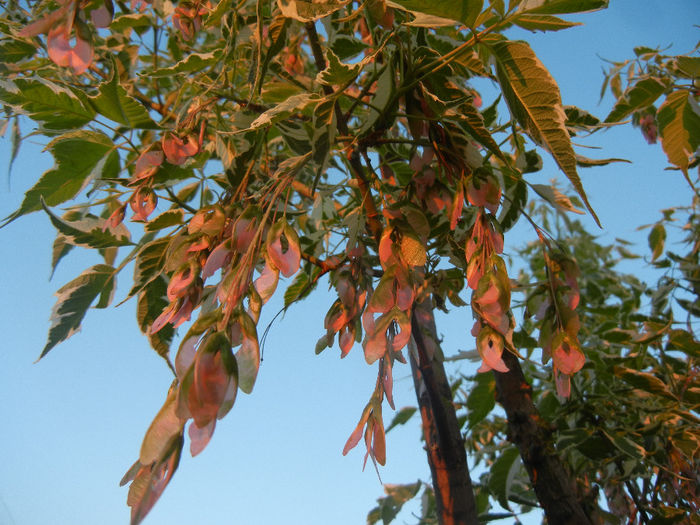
(553, 485)
(454, 496)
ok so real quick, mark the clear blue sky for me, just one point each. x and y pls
(73, 423)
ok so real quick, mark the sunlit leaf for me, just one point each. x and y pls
(641, 95)
(679, 127)
(55, 108)
(191, 63)
(282, 110)
(558, 7)
(90, 232)
(309, 10)
(555, 197)
(463, 11)
(73, 301)
(533, 98)
(113, 102)
(543, 22)
(80, 157)
(152, 301)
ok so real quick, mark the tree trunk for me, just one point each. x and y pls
(554, 487)
(454, 496)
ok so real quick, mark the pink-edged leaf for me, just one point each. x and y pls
(563, 382)
(201, 244)
(210, 384)
(180, 282)
(386, 248)
(266, 284)
(147, 164)
(346, 341)
(356, 435)
(163, 318)
(177, 150)
(101, 17)
(375, 347)
(403, 322)
(378, 440)
(388, 383)
(210, 221)
(199, 437)
(142, 203)
(243, 234)
(183, 313)
(218, 258)
(383, 299)
(248, 359)
(150, 482)
(456, 209)
(164, 428)
(405, 296)
(78, 57)
(185, 356)
(286, 259)
(566, 356)
(229, 397)
(43, 25)
(490, 346)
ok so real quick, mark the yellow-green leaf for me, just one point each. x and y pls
(309, 10)
(679, 127)
(534, 101)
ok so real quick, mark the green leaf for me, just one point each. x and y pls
(165, 220)
(337, 72)
(89, 232)
(482, 399)
(60, 249)
(555, 197)
(534, 100)
(657, 238)
(473, 123)
(401, 417)
(689, 65)
(513, 205)
(585, 162)
(679, 127)
(150, 263)
(559, 7)
(643, 381)
(55, 108)
(463, 11)
(282, 111)
(309, 10)
(73, 301)
(193, 62)
(138, 21)
(151, 303)
(640, 96)
(301, 287)
(80, 156)
(113, 102)
(13, 51)
(543, 22)
(503, 472)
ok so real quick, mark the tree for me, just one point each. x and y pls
(350, 146)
